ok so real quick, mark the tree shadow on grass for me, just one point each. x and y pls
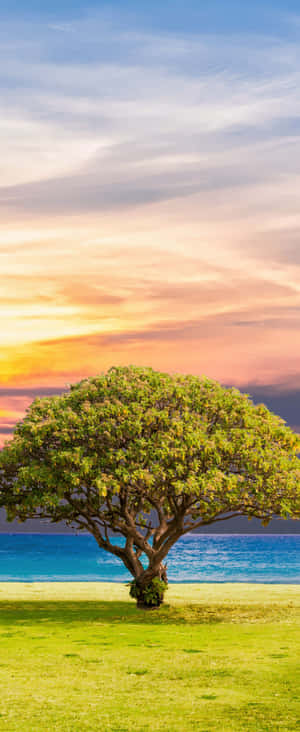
(110, 611)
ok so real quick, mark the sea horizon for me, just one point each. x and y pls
(195, 558)
(185, 536)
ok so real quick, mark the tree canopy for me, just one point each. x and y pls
(149, 456)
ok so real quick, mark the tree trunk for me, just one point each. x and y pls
(150, 586)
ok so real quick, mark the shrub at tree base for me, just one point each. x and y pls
(149, 457)
(151, 595)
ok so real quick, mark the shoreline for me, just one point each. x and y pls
(171, 583)
(227, 590)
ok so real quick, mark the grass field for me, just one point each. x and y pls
(80, 656)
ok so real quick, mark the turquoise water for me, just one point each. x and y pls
(195, 558)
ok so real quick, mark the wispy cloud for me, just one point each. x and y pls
(140, 117)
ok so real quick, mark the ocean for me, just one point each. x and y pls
(195, 558)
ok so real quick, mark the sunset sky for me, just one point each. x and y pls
(150, 194)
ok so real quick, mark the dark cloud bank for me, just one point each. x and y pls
(280, 399)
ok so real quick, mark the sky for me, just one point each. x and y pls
(149, 195)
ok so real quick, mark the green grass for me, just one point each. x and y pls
(80, 656)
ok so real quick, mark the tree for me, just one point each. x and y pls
(149, 457)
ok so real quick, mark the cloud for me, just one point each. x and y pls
(30, 392)
(6, 430)
(282, 399)
(149, 204)
(240, 342)
(61, 27)
(91, 294)
(228, 289)
(143, 117)
(281, 243)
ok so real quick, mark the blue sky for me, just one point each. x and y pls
(217, 16)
